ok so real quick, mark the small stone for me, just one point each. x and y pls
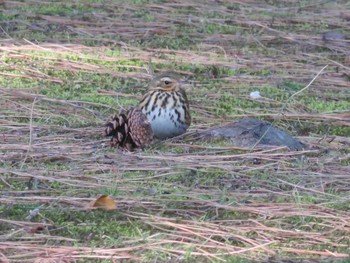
(332, 35)
(255, 95)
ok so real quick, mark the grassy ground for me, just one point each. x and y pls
(67, 67)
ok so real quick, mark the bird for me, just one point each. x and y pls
(166, 106)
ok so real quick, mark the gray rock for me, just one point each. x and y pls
(332, 35)
(250, 131)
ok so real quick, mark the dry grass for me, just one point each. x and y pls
(185, 200)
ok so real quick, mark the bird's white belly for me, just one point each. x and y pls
(165, 124)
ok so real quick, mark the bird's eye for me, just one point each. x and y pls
(167, 82)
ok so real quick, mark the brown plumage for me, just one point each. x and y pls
(130, 129)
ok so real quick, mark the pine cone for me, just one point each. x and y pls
(130, 130)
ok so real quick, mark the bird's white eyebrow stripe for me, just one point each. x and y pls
(166, 79)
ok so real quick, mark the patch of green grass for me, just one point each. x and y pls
(321, 105)
(18, 185)
(291, 86)
(168, 42)
(258, 72)
(85, 226)
(228, 104)
(234, 259)
(57, 9)
(219, 29)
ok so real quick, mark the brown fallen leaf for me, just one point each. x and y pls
(34, 229)
(104, 201)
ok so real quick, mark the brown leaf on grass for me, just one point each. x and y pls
(34, 229)
(104, 201)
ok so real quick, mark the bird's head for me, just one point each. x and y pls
(165, 82)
